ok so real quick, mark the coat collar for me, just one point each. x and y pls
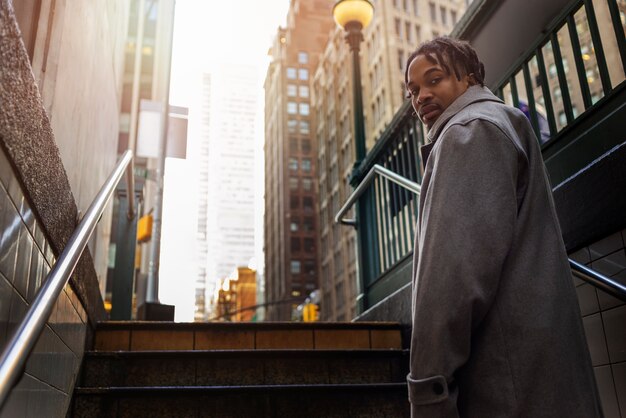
(472, 95)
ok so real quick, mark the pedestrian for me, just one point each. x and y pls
(497, 330)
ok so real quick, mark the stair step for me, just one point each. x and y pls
(243, 367)
(142, 336)
(328, 400)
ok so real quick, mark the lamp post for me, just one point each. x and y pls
(353, 16)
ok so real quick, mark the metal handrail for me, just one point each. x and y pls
(613, 287)
(383, 172)
(15, 355)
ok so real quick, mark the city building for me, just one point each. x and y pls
(235, 297)
(223, 153)
(290, 224)
(146, 63)
(395, 31)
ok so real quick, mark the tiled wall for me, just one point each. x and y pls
(604, 318)
(25, 260)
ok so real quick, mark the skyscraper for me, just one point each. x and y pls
(290, 224)
(225, 162)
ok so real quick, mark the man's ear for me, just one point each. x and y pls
(471, 80)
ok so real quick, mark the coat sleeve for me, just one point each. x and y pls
(467, 224)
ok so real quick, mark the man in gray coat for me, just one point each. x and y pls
(496, 324)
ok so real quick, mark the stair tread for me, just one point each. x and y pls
(249, 352)
(199, 389)
(176, 326)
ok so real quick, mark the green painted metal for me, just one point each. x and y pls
(578, 59)
(514, 94)
(531, 100)
(558, 62)
(547, 98)
(598, 48)
(618, 29)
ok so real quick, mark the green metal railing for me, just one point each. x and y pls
(574, 67)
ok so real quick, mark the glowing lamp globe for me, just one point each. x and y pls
(353, 11)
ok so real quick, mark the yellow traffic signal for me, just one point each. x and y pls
(310, 313)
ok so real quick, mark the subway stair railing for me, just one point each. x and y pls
(394, 201)
(20, 345)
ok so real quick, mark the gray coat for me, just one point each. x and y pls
(497, 330)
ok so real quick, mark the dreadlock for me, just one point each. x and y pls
(449, 52)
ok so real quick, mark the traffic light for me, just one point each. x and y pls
(310, 313)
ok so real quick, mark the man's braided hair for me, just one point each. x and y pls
(449, 52)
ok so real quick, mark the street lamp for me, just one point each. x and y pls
(353, 16)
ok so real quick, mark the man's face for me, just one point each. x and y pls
(432, 89)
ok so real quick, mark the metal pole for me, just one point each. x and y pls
(152, 288)
(134, 107)
(354, 38)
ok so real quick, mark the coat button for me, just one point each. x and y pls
(437, 388)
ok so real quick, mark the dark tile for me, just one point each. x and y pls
(238, 405)
(606, 388)
(587, 299)
(582, 256)
(28, 216)
(607, 301)
(5, 308)
(22, 265)
(18, 312)
(619, 377)
(11, 224)
(606, 246)
(594, 332)
(614, 320)
(6, 172)
(52, 361)
(611, 264)
(36, 269)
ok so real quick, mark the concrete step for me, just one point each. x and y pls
(242, 367)
(147, 336)
(276, 401)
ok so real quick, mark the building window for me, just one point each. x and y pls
(307, 204)
(306, 146)
(294, 203)
(307, 184)
(293, 145)
(306, 164)
(291, 73)
(293, 184)
(304, 91)
(303, 74)
(407, 31)
(304, 109)
(401, 59)
(453, 15)
(398, 27)
(418, 34)
(294, 225)
(295, 244)
(291, 126)
(292, 108)
(303, 58)
(433, 12)
(309, 245)
(307, 223)
(295, 267)
(291, 90)
(444, 15)
(304, 127)
(415, 9)
(293, 164)
(309, 267)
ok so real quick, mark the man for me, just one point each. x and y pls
(496, 323)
